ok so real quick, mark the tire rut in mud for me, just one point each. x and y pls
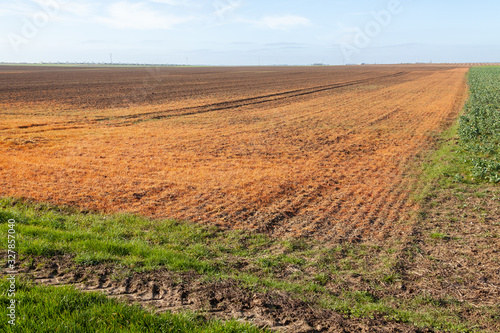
(163, 291)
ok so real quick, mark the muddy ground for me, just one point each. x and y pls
(167, 291)
(451, 256)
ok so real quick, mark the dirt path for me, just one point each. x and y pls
(166, 291)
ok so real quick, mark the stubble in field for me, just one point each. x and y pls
(296, 152)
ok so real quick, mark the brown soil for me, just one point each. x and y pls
(166, 291)
(458, 242)
(319, 152)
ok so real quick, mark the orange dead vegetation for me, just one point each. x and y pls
(288, 151)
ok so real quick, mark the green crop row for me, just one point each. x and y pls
(479, 129)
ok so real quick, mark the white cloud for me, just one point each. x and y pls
(223, 7)
(56, 9)
(79, 9)
(125, 15)
(358, 13)
(285, 22)
(17, 9)
(168, 2)
(175, 2)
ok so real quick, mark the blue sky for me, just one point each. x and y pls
(249, 32)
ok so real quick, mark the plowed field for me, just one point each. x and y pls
(321, 151)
